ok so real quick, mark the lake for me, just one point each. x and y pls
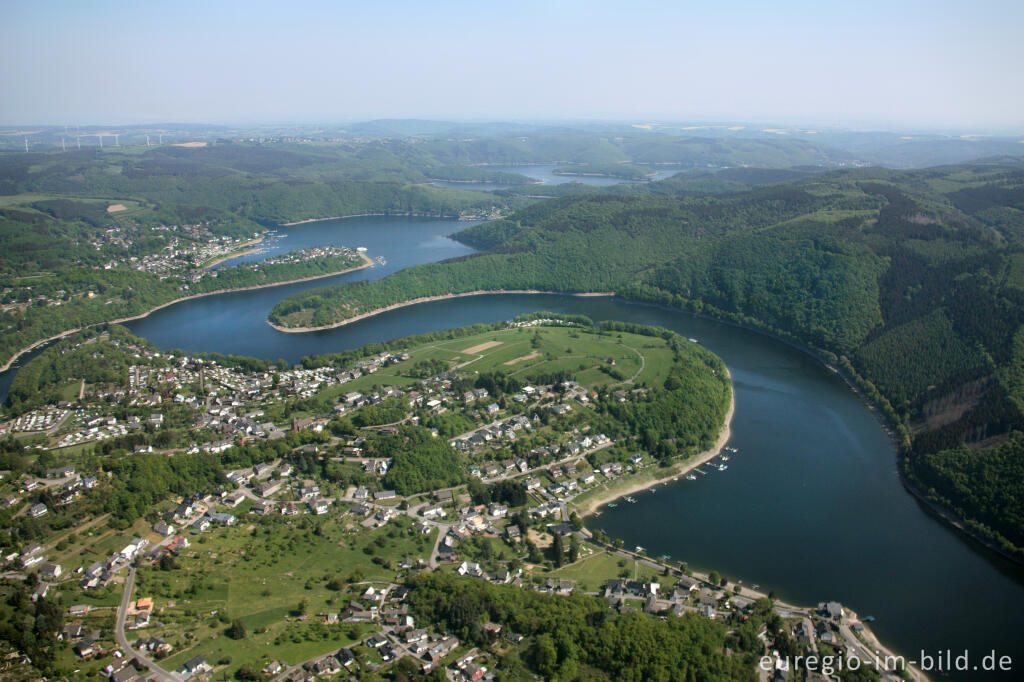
(811, 506)
(546, 174)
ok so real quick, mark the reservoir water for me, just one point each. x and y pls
(546, 174)
(810, 507)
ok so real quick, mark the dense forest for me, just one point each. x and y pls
(911, 281)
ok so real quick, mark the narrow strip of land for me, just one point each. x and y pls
(428, 299)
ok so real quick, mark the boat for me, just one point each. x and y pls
(612, 505)
(725, 458)
(723, 467)
(631, 500)
(361, 249)
(867, 619)
(691, 477)
(693, 340)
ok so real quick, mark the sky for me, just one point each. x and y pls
(907, 64)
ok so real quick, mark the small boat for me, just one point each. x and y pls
(361, 249)
(639, 548)
(867, 619)
(631, 500)
(723, 467)
(725, 458)
(693, 340)
(691, 477)
(612, 505)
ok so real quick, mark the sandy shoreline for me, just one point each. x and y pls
(234, 254)
(629, 487)
(428, 299)
(366, 263)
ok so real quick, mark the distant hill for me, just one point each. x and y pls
(911, 281)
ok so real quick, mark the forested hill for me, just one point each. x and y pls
(913, 281)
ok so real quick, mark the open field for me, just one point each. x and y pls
(592, 571)
(480, 347)
(595, 358)
(273, 575)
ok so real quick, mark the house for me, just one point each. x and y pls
(824, 633)
(221, 518)
(50, 571)
(346, 657)
(443, 496)
(202, 524)
(182, 511)
(62, 472)
(37, 510)
(273, 668)
(384, 495)
(470, 568)
(73, 630)
(193, 667)
(832, 609)
(376, 640)
(433, 512)
(78, 610)
(86, 648)
(262, 508)
(267, 488)
(319, 506)
(164, 529)
(328, 665)
(473, 672)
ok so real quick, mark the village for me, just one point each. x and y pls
(532, 457)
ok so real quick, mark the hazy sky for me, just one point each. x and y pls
(891, 63)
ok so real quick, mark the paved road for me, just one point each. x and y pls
(158, 673)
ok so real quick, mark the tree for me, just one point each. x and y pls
(236, 630)
(558, 550)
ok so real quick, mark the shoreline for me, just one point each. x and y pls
(428, 299)
(369, 215)
(68, 332)
(629, 487)
(234, 254)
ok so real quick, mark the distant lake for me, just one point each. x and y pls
(546, 174)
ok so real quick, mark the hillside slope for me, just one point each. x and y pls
(912, 281)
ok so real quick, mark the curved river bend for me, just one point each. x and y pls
(810, 507)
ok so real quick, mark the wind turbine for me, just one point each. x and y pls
(147, 140)
(79, 138)
(26, 143)
(62, 147)
(117, 142)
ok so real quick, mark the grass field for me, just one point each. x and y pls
(273, 575)
(532, 351)
(592, 571)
